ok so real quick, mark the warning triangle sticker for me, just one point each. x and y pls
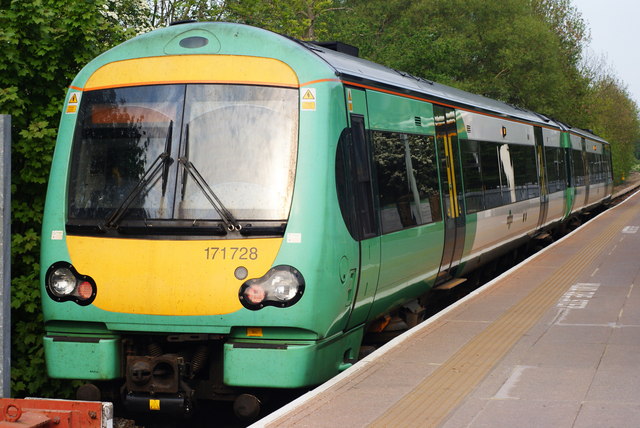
(308, 95)
(73, 99)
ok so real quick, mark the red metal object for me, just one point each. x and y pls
(47, 413)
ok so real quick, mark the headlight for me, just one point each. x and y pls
(64, 283)
(282, 286)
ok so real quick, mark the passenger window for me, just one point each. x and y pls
(497, 174)
(494, 181)
(555, 169)
(407, 180)
(472, 173)
(525, 172)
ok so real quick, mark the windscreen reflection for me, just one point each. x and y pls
(241, 139)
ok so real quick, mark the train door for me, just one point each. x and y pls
(570, 180)
(542, 176)
(451, 189)
(366, 281)
(586, 168)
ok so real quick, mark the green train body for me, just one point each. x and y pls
(342, 190)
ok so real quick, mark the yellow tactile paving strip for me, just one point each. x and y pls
(433, 399)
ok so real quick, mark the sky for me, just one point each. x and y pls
(615, 34)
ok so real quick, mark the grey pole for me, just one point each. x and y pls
(5, 251)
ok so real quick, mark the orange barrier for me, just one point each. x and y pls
(46, 413)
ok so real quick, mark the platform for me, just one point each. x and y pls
(554, 342)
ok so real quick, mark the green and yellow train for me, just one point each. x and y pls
(230, 209)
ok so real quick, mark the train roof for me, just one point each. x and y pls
(349, 66)
(585, 133)
(363, 71)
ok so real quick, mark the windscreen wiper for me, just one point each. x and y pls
(163, 161)
(226, 216)
(167, 164)
(149, 175)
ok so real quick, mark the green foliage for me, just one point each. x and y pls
(303, 19)
(163, 12)
(615, 117)
(130, 17)
(566, 23)
(44, 44)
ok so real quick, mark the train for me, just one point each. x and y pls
(230, 210)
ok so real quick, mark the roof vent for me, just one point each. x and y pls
(339, 47)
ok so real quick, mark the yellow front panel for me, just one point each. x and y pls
(193, 69)
(158, 277)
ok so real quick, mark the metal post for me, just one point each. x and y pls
(5, 253)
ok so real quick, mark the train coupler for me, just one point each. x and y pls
(156, 384)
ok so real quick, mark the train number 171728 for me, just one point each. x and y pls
(231, 253)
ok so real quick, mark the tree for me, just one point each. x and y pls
(44, 43)
(303, 19)
(297, 18)
(614, 117)
(567, 24)
(130, 17)
(163, 12)
(504, 50)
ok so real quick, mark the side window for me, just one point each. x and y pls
(598, 168)
(497, 174)
(344, 182)
(353, 181)
(407, 180)
(472, 174)
(424, 165)
(493, 179)
(507, 174)
(525, 172)
(555, 169)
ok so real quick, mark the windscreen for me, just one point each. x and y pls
(178, 152)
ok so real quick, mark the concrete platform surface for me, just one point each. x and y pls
(554, 342)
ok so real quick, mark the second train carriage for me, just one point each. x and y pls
(230, 209)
